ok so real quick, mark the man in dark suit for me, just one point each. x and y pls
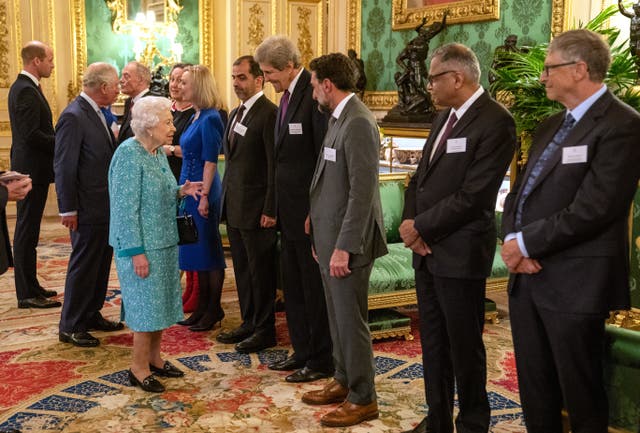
(15, 190)
(299, 131)
(345, 223)
(134, 83)
(84, 147)
(31, 153)
(449, 223)
(249, 208)
(566, 238)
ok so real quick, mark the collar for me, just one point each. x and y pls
(140, 95)
(468, 103)
(293, 83)
(249, 102)
(30, 75)
(174, 107)
(91, 102)
(582, 108)
(340, 107)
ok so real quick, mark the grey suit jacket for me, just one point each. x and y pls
(345, 199)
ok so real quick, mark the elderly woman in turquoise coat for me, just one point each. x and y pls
(144, 196)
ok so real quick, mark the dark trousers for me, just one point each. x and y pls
(451, 323)
(305, 305)
(348, 309)
(25, 241)
(254, 264)
(559, 362)
(87, 277)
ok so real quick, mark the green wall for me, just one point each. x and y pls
(381, 44)
(103, 45)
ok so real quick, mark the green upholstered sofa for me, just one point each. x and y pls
(392, 282)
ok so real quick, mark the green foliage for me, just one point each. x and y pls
(518, 82)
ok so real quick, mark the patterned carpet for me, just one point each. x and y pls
(47, 386)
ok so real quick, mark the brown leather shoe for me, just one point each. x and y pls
(333, 392)
(348, 414)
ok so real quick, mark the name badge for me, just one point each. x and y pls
(240, 129)
(295, 128)
(330, 154)
(457, 145)
(574, 154)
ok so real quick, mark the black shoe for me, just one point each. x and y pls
(256, 343)
(47, 293)
(305, 374)
(288, 364)
(206, 323)
(80, 339)
(234, 336)
(191, 320)
(149, 383)
(167, 370)
(38, 302)
(105, 325)
(423, 427)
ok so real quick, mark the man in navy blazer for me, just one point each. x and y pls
(449, 223)
(248, 206)
(32, 146)
(567, 240)
(84, 147)
(300, 129)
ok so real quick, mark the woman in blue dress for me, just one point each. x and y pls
(200, 144)
(143, 195)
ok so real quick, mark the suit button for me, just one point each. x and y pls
(421, 189)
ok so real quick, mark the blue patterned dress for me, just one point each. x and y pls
(143, 197)
(201, 142)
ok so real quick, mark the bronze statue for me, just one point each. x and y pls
(361, 82)
(634, 30)
(500, 56)
(159, 84)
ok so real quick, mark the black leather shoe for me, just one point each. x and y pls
(191, 320)
(167, 370)
(149, 383)
(48, 293)
(38, 302)
(305, 374)
(234, 336)
(256, 343)
(288, 364)
(423, 427)
(80, 339)
(103, 324)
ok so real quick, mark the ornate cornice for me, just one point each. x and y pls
(380, 100)
(465, 11)
(558, 19)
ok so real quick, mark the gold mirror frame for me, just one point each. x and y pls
(459, 11)
(120, 13)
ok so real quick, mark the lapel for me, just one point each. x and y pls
(43, 99)
(95, 119)
(294, 102)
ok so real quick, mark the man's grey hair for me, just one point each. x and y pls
(586, 46)
(277, 51)
(142, 71)
(461, 57)
(97, 74)
(145, 114)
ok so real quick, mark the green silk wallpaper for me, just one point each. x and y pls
(103, 45)
(529, 19)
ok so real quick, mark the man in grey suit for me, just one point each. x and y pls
(345, 224)
(84, 147)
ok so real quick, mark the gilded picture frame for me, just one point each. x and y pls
(407, 14)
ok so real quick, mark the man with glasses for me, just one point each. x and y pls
(566, 243)
(449, 223)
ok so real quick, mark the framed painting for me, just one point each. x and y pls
(407, 14)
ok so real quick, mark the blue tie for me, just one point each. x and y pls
(548, 152)
(108, 116)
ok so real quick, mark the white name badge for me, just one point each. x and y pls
(295, 128)
(457, 145)
(330, 154)
(574, 154)
(240, 129)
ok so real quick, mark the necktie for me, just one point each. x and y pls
(284, 104)
(445, 135)
(232, 133)
(546, 155)
(109, 117)
(332, 121)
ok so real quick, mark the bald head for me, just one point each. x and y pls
(37, 59)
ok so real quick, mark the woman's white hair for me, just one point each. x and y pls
(146, 113)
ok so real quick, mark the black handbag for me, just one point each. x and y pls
(187, 230)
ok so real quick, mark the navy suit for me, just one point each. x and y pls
(297, 144)
(84, 147)
(31, 153)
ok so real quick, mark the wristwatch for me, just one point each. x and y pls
(172, 149)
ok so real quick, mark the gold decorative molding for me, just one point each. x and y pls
(79, 35)
(256, 27)
(205, 8)
(4, 46)
(305, 26)
(354, 23)
(558, 18)
(384, 100)
(304, 35)
(461, 11)
(5, 129)
(628, 319)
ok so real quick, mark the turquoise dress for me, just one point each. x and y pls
(143, 197)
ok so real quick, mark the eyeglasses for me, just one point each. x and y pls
(547, 68)
(430, 78)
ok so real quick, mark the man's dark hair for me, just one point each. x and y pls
(179, 65)
(254, 67)
(337, 68)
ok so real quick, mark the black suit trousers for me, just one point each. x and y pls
(254, 264)
(87, 277)
(559, 362)
(305, 305)
(451, 324)
(25, 241)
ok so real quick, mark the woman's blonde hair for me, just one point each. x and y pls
(205, 92)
